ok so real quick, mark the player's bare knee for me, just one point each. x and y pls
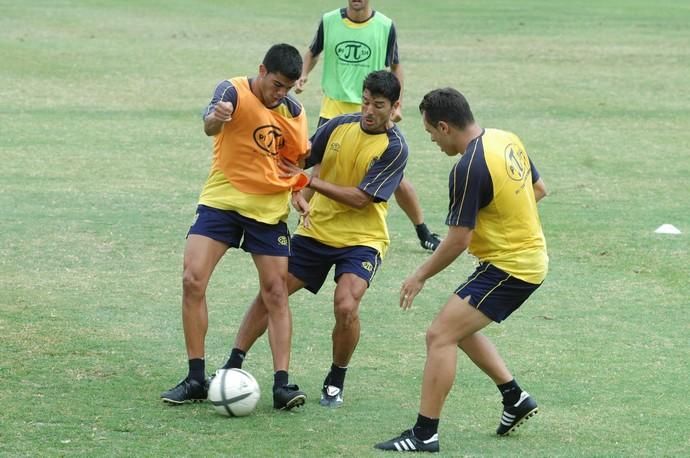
(435, 337)
(274, 295)
(192, 284)
(346, 313)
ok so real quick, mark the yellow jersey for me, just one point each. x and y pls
(349, 156)
(491, 192)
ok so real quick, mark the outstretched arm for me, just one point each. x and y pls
(348, 195)
(457, 241)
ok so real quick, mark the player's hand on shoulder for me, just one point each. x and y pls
(223, 111)
(299, 85)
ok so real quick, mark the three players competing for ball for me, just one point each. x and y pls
(494, 190)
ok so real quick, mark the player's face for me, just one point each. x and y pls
(273, 87)
(376, 112)
(439, 136)
(358, 5)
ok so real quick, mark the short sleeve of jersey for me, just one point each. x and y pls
(319, 140)
(294, 108)
(225, 92)
(316, 45)
(470, 189)
(385, 174)
(392, 48)
(535, 172)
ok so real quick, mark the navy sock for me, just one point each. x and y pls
(236, 359)
(511, 392)
(280, 378)
(336, 376)
(422, 231)
(197, 370)
(425, 427)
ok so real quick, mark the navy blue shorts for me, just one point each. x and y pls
(237, 231)
(494, 292)
(311, 261)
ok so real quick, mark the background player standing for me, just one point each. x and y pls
(355, 41)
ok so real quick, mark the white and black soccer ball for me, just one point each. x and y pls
(234, 392)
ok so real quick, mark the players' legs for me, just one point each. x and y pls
(454, 323)
(456, 320)
(348, 294)
(407, 199)
(349, 290)
(255, 321)
(355, 268)
(484, 355)
(201, 255)
(518, 405)
(274, 296)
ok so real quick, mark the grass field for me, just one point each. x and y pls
(103, 156)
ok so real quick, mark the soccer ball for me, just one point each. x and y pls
(234, 392)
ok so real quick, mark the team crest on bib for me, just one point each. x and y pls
(517, 164)
(269, 138)
(352, 52)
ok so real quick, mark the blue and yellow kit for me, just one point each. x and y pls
(349, 156)
(491, 192)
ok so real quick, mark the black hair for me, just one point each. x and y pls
(384, 84)
(284, 59)
(448, 105)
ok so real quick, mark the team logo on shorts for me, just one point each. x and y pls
(352, 52)
(517, 164)
(269, 138)
(283, 240)
(367, 266)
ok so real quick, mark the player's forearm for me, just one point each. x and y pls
(354, 197)
(457, 241)
(307, 193)
(212, 126)
(443, 256)
(539, 190)
(397, 70)
(309, 63)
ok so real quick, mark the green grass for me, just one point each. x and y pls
(103, 156)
